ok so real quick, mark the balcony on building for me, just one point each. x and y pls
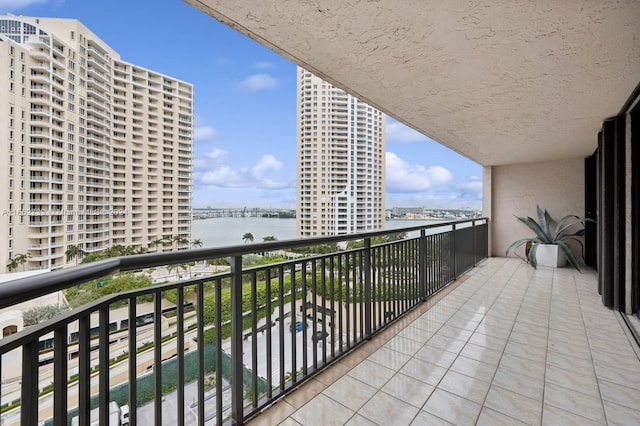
(545, 99)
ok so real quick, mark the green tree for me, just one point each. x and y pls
(12, 264)
(17, 260)
(220, 261)
(247, 237)
(177, 267)
(94, 256)
(196, 243)
(269, 238)
(157, 243)
(40, 314)
(180, 240)
(74, 252)
(117, 283)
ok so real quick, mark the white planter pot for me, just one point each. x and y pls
(550, 255)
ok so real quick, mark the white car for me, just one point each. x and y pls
(124, 415)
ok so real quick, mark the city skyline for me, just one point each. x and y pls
(245, 108)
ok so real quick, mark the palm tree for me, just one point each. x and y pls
(196, 243)
(157, 243)
(12, 264)
(180, 240)
(269, 238)
(72, 252)
(247, 237)
(21, 259)
(176, 267)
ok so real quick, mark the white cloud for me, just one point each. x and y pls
(263, 65)
(470, 189)
(405, 177)
(216, 154)
(202, 133)
(213, 171)
(222, 176)
(257, 82)
(398, 132)
(9, 5)
(203, 162)
(266, 163)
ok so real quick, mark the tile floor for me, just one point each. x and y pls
(504, 345)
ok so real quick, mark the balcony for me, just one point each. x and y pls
(501, 344)
(505, 344)
(345, 298)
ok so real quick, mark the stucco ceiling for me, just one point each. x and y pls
(500, 82)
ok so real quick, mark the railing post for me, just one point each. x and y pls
(84, 370)
(422, 261)
(133, 363)
(104, 372)
(237, 384)
(367, 288)
(453, 252)
(60, 376)
(29, 391)
(475, 249)
(157, 358)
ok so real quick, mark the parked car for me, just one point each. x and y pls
(124, 415)
(298, 326)
(319, 335)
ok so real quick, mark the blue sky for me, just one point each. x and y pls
(245, 136)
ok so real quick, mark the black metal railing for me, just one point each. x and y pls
(232, 342)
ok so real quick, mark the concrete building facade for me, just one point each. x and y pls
(95, 151)
(341, 161)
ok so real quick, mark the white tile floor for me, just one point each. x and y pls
(505, 345)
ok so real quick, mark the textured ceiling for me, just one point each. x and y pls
(500, 82)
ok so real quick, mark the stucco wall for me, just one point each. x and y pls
(557, 186)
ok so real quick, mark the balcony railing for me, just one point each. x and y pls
(234, 341)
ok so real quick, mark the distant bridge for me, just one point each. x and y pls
(209, 212)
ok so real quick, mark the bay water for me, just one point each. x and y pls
(228, 231)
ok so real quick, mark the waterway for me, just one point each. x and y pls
(226, 231)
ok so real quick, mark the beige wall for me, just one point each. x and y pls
(515, 190)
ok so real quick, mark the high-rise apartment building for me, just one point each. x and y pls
(94, 152)
(340, 157)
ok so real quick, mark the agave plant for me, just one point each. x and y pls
(563, 232)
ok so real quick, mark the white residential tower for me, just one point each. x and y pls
(94, 151)
(340, 157)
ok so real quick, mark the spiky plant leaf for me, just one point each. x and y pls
(532, 256)
(544, 219)
(535, 227)
(571, 258)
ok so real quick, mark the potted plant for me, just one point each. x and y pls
(550, 245)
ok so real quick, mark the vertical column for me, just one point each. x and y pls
(611, 212)
(237, 385)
